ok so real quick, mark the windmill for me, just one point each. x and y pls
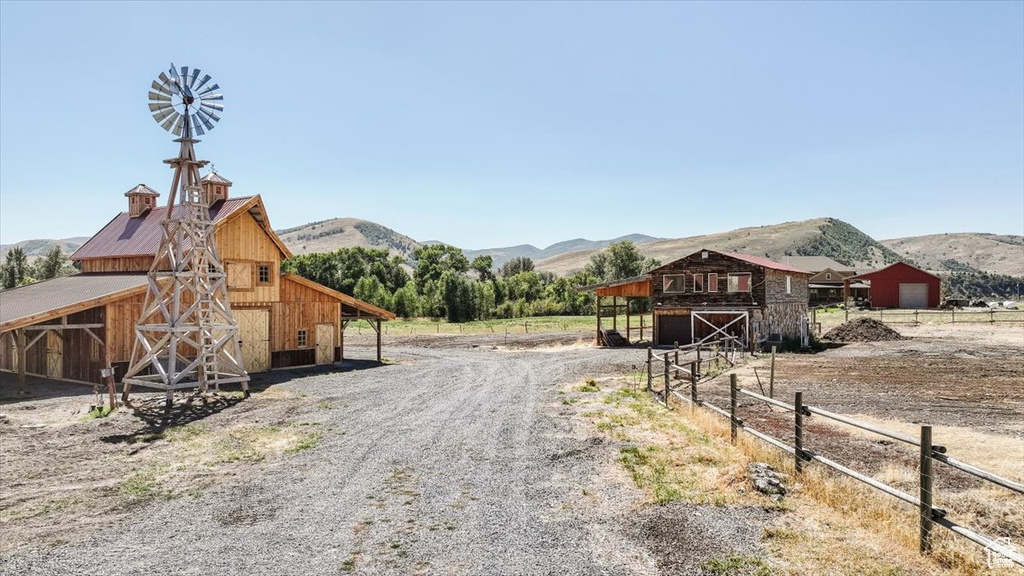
(186, 336)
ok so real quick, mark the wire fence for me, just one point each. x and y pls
(825, 319)
(689, 374)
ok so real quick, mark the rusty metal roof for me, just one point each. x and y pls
(764, 262)
(42, 301)
(126, 236)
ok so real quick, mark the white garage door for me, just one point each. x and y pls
(913, 295)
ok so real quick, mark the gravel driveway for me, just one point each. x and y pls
(458, 460)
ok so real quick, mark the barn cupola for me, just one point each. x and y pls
(141, 199)
(216, 187)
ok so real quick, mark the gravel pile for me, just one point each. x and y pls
(862, 330)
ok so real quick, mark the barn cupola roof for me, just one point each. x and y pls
(216, 187)
(141, 199)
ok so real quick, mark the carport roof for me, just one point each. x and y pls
(42, 301)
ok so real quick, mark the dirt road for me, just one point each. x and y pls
(453, 460)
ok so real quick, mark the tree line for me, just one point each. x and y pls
(18, 271)
(446, 284)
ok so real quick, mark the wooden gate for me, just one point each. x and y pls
(324, 343)
(54, 355)
(254, 331)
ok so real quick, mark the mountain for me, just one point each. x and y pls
(502, 255)
(819, 237)
(961, 252)
(38, 248)
(329, 235)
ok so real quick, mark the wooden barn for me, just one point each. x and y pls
(69, 328)
(709, 294)
(900, 285)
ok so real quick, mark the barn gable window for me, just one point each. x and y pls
(712, 282)
(673, 283)
(739, 282)
(263, 274)
(698, 282)
(302, 340)
(828, 275)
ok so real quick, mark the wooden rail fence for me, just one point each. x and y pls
(930, 452)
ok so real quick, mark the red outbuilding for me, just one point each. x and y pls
(901, 285)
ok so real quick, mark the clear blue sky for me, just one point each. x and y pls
(486, 124)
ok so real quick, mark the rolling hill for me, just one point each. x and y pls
(38, 248)
(329, 235)
(998, 254)
(502, 255)
(819, 237)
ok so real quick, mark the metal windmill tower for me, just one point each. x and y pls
(186, 336)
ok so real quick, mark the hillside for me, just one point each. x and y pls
(997, 254)
(38, 248)
(329, 235)
(502, 255)
(819, 237)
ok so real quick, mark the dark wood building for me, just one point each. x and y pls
(709, 294)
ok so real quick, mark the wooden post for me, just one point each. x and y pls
(954, 314)
(379, 357)
(798, 431)
(666, 380)
(847, 311)
(926, 489)
(22, 355)
(641, 327)
(627, 322)
(598, 298)
(676, 362)
(915, 317)
(341, 341)
(693, 382)
(732, 408)
(650, 369)
(771, 377)
(110, 376)
(698, 359)
(615, 313)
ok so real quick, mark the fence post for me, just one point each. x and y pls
(798, 431)
(915, 317)
(732, 408)
(926, 489)
(771, 378)
(676, 363)
(650, 369)
(693, 382)
(954, 315)
(992, 315)
(698, 358)
(847, 311)
(666, 379)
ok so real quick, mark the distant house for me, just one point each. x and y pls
(710, 294)
(826, 282)
(72, 327)
(901, 285)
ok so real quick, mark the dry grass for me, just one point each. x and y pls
(829, 524)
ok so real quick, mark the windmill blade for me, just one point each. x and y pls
(210, 89)
(175, 81)
(212, 97)
(169, 123)
(204, 117)
(219, 107)
(160, 88)
(206, 78)
(197, 124)
(161, 115)
(195, 74)
(213, 115)
(184, 75)
(159, 97)
(160, 106)
(178, 125)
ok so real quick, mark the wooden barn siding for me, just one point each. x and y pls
(300, 308)
(885, 285)
(640, 289)
(242, 239)
(715, 263)
(83, 355)
(125, 264)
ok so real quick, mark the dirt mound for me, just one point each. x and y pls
(862, 330)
